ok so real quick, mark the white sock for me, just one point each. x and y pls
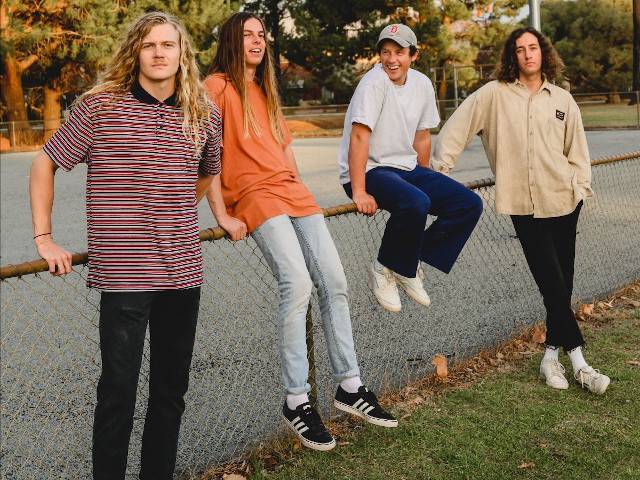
(551, 353)
(351, 385)
(577, 360)
(293, 401)
(378, 267)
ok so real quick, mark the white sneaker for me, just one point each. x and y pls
(414, 288)
(552, 372)
(385, 289)
(592, 380)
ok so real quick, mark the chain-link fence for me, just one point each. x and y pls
(50, 353)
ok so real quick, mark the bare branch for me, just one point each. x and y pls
(27, 62)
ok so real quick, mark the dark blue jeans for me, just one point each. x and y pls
(409, 196)
(172, 316)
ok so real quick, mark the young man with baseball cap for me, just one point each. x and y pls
(384, 163)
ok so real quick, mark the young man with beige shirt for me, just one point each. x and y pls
(534, 139)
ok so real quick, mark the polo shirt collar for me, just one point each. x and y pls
(143, 96)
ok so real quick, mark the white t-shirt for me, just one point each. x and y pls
(394, 114)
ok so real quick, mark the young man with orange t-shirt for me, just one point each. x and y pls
(260, 192)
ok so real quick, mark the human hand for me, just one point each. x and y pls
(58, 258)
(236, 229)
(366, 203)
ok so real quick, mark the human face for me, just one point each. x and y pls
(254, 43)
(160, 54)
(529, 55)
(396, 61)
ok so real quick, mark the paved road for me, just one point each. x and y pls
(316, 158)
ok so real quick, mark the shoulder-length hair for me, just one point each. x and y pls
(123, 69)
(229, 60)
(508, 70)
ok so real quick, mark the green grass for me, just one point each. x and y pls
(490, 430)
(609, 115)
(593, 116)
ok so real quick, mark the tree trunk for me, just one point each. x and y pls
(52, 111)
(12, 92)
(442, 93)
(274, 26)
(614, 98)
(13, 96)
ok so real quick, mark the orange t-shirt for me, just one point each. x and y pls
(257, 183)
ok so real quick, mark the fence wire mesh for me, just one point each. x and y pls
(50, 352)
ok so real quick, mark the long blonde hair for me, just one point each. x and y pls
(229, 60)
(123, 69)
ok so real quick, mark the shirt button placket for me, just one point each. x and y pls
(158, 115)
(530, 148)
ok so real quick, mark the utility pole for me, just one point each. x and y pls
(534, 14)
(636, 52)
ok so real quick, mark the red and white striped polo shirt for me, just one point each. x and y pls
(142, 223)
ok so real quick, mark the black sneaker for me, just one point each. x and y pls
(364, 404)
(307, 425)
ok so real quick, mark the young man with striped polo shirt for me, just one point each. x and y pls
(151, 141)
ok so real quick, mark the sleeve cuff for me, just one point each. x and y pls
(55, 158)
(363, 121)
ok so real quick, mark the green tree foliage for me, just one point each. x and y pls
(594, 38)
(330, 35)
(62, 44)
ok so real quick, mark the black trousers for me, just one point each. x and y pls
(172, 316)
(549, 245)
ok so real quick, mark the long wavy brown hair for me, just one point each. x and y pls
(508, 70)
(229, 61)
(123, 69)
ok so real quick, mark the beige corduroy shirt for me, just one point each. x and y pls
(535, 144)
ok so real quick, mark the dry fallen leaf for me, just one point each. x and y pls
(631, 301)
(538, 335)
(233, 476)
(440, 362)
(527, 465)
(635, 363)
(583, 311)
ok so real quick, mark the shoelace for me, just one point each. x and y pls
(389, 276)
(371, 399)
(311, 418)
(592, 372)
(558, 365)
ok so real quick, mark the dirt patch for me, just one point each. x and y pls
(316, 125)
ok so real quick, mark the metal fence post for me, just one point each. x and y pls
(455, 83)
(12, 133)
(311, 357)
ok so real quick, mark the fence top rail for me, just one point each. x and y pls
(216, 233)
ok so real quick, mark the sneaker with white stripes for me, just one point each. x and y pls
(364, 404)
(305, 422)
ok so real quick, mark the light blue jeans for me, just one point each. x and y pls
(301, 254)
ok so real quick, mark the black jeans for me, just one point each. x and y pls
(549, 245)
(172, 316)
